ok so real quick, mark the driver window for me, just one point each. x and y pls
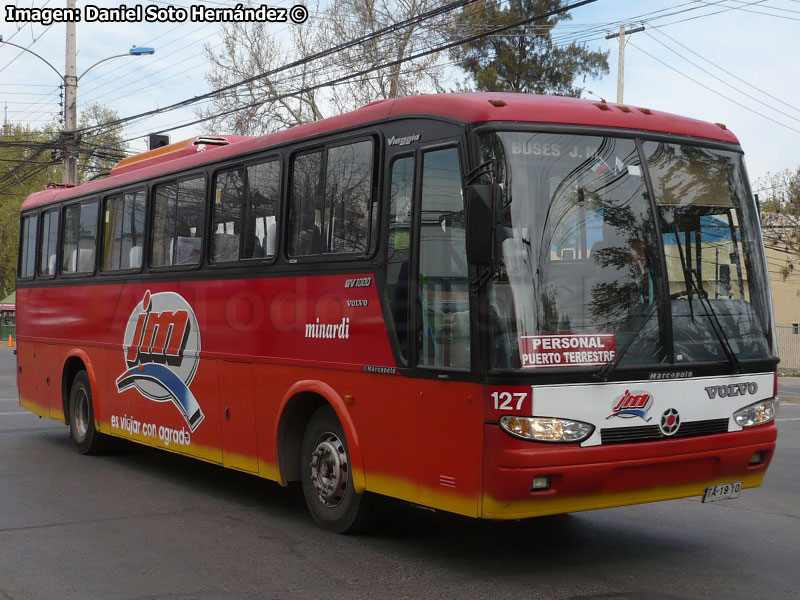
(443, 334)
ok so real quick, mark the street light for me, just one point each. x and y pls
(70, 80)
(134, 51)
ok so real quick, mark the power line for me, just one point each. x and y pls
(757, 12)
(339, 47)
(21, 52)
(673, 40)
(322, 54)
(710, 89)
(710, 74)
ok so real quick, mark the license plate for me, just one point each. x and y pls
(723, 491)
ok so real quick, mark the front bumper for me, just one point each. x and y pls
(617, 475)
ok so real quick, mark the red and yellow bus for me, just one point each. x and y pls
(497, 305)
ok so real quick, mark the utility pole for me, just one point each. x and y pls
(70, 146)
(621, 63)
(70, 79)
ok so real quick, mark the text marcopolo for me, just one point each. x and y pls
(153, 13)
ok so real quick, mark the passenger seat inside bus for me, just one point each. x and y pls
(226, 247)
(188, 250)
(135, 257)
(271, 241)
(83, 262)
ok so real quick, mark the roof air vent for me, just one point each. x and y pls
(209, 140)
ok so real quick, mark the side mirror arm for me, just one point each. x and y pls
(482, 227)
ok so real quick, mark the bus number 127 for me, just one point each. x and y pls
(506, 400)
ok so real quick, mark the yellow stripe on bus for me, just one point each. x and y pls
(537, 507)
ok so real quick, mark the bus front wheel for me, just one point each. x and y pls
(81, 417)
(327, 477)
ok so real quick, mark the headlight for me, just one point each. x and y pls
(546, 429)
(757, 413)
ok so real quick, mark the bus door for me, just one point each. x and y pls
(239, 449)
(429, 298)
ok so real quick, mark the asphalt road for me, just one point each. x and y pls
(789, 388)
(147, 524)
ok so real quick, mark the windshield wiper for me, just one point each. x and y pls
(716, 326)
(608, 369)
(687, 277)
(724, 341)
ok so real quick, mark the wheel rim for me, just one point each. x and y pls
(329, 469)
(81, 415)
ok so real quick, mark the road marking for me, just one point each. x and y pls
(16, 413)
(789, 419)
(8, 400)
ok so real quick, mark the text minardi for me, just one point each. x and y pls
(328, 331)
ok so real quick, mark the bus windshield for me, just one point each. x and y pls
(593, 269)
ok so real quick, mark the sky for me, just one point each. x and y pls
(728, 61)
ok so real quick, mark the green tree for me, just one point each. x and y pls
(99, 152)
(523, 59)
(30, 159)
(27, 164)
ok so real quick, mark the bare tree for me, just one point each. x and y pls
(349, 19)
(779, 194)
(249, 50)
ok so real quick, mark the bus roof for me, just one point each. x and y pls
(479, 107)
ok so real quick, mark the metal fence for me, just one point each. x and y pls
(789, 346)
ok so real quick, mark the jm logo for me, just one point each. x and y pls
(629, 405)
(162, 353)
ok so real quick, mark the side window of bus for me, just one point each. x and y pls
(399, 246)
(245, 212)
(226, 220)
(178, 223)
(306, 207)
(443, 338)
(263, 205)
(123, 235)
(348, 198)
(336, 219)
(49, 244)
(27, 255)
(80, 238)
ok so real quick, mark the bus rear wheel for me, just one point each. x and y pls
(327, 477)
(81, 418)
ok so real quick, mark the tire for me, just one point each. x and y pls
(327, 479)
(81, 418)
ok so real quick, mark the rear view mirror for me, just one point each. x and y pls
(481, 223)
